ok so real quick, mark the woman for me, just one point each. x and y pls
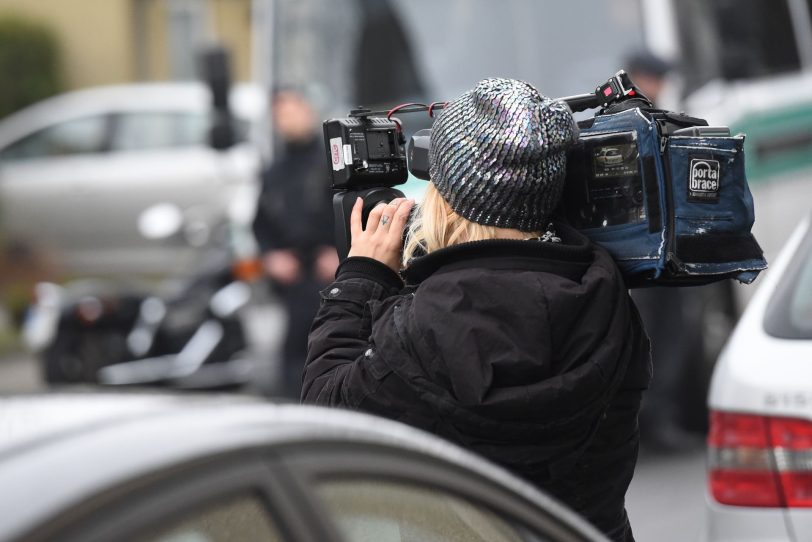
(514, 336)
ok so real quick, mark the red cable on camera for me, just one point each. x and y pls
(432, 105)
(422, 106)
(398, 108)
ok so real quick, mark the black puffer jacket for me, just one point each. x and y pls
(531, 354)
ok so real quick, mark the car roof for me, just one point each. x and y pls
(30, 421)
(248, 102)
(48, 443)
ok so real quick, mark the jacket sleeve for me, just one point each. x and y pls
(339, 371)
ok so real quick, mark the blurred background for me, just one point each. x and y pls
(142, 141)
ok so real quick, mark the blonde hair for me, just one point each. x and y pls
(436, 225)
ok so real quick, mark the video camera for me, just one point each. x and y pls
(663, 192)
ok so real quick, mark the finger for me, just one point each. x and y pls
(374, 218)
(400, 219)
(393, 204)
(356, 226)
(389, 212)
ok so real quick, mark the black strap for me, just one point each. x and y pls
(652, 188)
(717, 248)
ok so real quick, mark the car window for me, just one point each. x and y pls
(756, 46)
(155, 130)
(242, 518)
(387, 511)
(809, 9)
(80, 136)
(717, 41)
(161, 129)
(789, 312)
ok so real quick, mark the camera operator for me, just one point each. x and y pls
(515, 336)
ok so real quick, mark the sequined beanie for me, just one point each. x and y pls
(498, 154)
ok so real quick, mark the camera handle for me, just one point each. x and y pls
(343, 202)
(618, 88)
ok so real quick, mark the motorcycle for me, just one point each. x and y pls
(189, 335)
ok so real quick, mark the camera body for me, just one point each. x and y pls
(666, 195)
(367, 159)
(663, 192)
(365, 151)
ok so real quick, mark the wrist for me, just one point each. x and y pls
(369, 268)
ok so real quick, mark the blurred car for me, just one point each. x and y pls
(760, 440)
(77, 170)
(95, 467)
(609, 156)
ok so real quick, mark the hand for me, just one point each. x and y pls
(382, 239)
(283, 266)
(326, 264)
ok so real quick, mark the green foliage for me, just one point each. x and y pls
(30, 67)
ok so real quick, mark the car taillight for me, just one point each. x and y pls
(760, 460)
(792, 444)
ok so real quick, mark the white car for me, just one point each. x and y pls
(609, 156)
(760, 440)
(90, 467)
(77, 170)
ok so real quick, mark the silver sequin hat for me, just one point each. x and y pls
(498, 154)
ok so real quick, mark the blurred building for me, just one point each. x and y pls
(120, 41)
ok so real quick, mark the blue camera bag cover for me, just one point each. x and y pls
(671, 210)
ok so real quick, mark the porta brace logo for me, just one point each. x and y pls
(703, 180)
